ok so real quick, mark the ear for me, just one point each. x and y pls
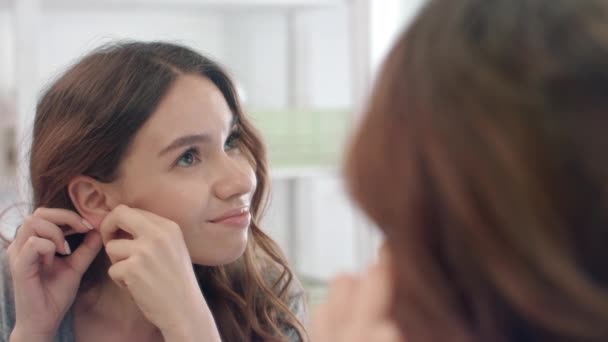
(91, 199)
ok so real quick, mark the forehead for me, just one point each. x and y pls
(193, 105)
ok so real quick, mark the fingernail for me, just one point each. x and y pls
(87, 224)
(68, 250)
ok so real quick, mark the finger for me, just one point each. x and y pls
(320, 328)
(122, 218)
(64, 217)
(119, 273)
(120, 249)
(384, 254)
(152, 222)
(323, 327)
(35, 250)
(84, 255)
(152, 216)
(374, 294)
(342, 292)
(387, 332)
(35, 226)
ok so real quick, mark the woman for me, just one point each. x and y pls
(142, 152)
(482, 159)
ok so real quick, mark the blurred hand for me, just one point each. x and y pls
(357, 309)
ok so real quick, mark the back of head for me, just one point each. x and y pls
(481, 157)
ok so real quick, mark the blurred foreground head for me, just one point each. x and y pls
(482, 157)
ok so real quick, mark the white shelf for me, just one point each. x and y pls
(186, 4)
(304, 172)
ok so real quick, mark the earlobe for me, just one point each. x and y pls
(89, 198)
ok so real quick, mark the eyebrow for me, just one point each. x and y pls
(192, 139)
(186, 140)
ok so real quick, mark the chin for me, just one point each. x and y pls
(220, 256)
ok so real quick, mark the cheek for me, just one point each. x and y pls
(176, 198)
(250, 172)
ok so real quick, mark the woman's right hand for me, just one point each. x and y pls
(44, 285)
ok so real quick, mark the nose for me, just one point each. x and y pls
(236, 178)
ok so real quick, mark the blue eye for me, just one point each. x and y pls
(189, 158)
(233, 141)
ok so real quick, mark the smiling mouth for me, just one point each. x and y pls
(240, 218)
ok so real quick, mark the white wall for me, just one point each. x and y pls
(7, 81)
(67, 35)
(326, 230)
(252, 45)
(254, 50)
(388, 19)
(299, 61)
(7, 76)
(324, 60)
(7, 89)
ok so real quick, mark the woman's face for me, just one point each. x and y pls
(185, 164)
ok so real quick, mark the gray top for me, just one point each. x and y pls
(64, 333)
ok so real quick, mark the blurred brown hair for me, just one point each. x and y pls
(481, 156)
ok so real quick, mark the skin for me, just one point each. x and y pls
(155, 221)
(358, 308)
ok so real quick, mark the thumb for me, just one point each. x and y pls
(84, 255)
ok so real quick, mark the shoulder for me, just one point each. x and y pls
(293, 296)
(296, 301)
(293, 292)
(7, 304)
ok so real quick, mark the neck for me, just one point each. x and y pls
(109, 305)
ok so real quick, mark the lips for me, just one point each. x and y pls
(239, 217)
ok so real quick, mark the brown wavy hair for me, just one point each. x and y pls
(85, 123)
(482, 157)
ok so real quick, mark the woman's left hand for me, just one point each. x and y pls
(155, 266)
